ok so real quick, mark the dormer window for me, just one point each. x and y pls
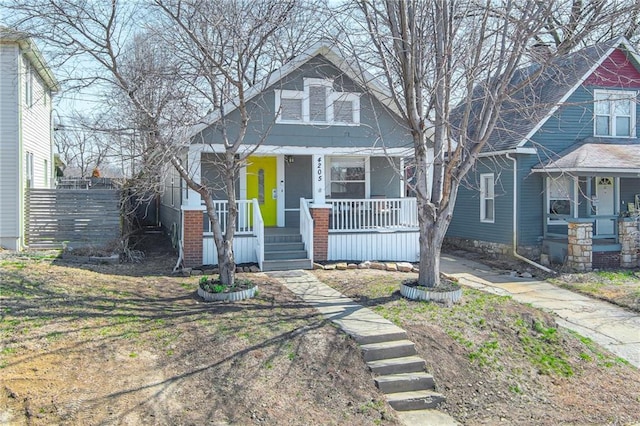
(318, 103)
(614, 113)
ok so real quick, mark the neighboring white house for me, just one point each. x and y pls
(26, 147)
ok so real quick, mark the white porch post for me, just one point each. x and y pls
(195, 171)
(318, 180)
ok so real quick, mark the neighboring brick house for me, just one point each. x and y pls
(564, 161)
(26, 147)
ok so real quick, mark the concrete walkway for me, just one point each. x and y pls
(374, 334)
(612, 327)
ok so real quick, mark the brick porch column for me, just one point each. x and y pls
(628, 232)
(320, 217)
(580, 246)
(192, 238)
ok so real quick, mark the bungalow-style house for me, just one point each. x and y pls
(562, 168)
(26, 146)
(324, 181)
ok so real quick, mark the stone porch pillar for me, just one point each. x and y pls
(628, 233)
(192, 242)
(580, 246)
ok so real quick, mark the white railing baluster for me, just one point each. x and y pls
(362, 215)
(258, 231)
(306, 227)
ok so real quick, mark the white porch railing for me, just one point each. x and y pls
(258, 231)
(306, 227)
(373, 214)
(243, 222)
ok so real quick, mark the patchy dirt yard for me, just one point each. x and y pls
(500, 362)
(129, 344)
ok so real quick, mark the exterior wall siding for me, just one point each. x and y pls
(36, 132)
(263, 128)
(361, 246)
(244, 250)
(618, 70)
(10, 160)
(466, 217)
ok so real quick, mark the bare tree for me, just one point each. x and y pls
(80, 148)
(193, 56)
(435, 54)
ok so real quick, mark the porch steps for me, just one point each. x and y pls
(284, 250)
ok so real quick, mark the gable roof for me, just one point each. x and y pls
(530, 107)
(604, 155)
(328, 51)
(31, 51)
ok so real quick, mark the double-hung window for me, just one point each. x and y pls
(348, 177)
(559, 199)
(487, 198)
(614, 113)
(317, 103)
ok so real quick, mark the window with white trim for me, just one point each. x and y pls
(559, 199)
(318, 103)
(487, 198)
(347, 177)
(614, 113)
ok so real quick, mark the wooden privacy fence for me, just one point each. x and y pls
(80, 218)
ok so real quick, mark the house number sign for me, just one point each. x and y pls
(319, 168)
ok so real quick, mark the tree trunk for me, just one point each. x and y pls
(226, 263)
(431, 238)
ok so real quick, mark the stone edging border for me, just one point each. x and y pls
(382, 266)
(340, 266)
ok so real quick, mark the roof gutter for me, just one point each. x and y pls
(515, 220)
(517, 150)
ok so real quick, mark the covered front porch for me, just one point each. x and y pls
(343, 206)
(595, 187)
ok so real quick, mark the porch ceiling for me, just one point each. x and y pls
(596, 155)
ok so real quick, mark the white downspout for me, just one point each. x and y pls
(515, 219)
(180, 242)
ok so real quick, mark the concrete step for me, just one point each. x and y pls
(286, 265)
(284, 238)
(377, 334)
(283, 246)
(405, 382)
(414, 400)
(407, 364)
(383, 350)
(285, 254)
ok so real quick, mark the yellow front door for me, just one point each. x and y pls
(262, 185)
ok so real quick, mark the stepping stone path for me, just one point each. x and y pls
(398, 372)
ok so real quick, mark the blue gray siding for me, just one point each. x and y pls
(378, 127)
(466, 218)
